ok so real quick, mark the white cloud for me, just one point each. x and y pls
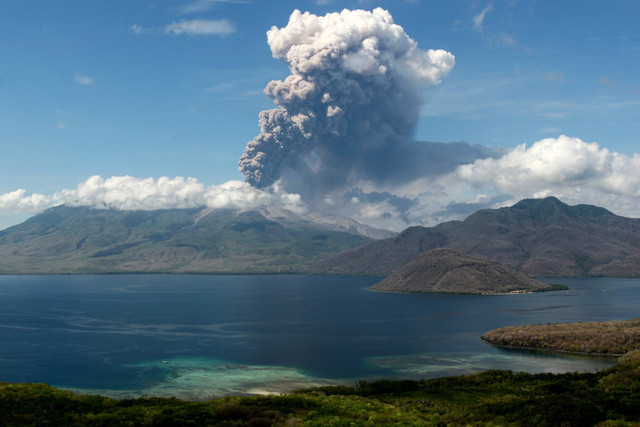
(200, 27)
(493, 37)
(569, 168)
(83, 80)
(195, 27)
(572, 169)
(240, 195)
(138, 29)
(16, 202)
(478, 20)
(131, 193)
(198, 6)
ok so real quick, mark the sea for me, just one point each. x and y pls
(206, 336)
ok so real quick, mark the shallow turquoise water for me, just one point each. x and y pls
(206, 336)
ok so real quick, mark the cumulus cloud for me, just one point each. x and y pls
(17, 202)
(200, 27)
(352, 99)
(566, 167)
(569, 168)
(131, 193)
(240, 195)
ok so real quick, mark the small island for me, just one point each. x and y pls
(613, 338)
(445, 270)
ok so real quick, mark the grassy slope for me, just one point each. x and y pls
(489, 398)
(82, 240)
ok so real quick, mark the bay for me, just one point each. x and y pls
(201, 336)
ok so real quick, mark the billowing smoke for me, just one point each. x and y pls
(349, 109)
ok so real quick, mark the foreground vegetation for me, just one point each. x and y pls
(607, 398)
(610, 338)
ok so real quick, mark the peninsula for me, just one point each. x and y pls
(613, 338)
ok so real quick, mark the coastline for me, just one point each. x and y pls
(605, 338)
(551, 351)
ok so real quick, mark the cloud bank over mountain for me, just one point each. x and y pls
(566, 167)
(341, 141)
(569, 168)
(130, 193)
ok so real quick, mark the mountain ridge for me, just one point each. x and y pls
(538, 237)
(84, 240)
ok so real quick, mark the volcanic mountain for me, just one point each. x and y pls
(83, 240)
(537, 237)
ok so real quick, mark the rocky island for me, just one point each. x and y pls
(445, 270)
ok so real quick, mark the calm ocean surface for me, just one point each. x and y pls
(204, 336)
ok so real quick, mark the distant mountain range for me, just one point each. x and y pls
(538, 237)
(83, 240)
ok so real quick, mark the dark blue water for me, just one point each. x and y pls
(202, 336)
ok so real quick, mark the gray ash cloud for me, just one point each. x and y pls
(349, 109)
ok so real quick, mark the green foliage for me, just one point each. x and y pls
(491, 398)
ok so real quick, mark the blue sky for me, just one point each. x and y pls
(173, 88)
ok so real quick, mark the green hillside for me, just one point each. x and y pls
(83, 240)
(493, 398)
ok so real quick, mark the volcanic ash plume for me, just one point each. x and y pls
(352, 96)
